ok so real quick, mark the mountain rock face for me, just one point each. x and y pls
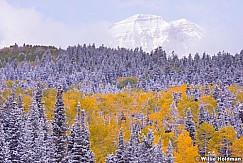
(151, 31)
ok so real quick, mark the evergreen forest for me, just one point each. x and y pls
(88, 104)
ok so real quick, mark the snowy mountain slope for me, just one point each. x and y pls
(150, 31)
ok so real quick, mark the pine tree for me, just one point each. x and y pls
(12, 132)
(146, 149)
(158, 154)
(169, 153)
(238, 126)
(59, 128)
(216, 92)
(207, 90)
(240, 113)
(71, 139)
(133, 153)
(190, 125)
(225, 148)
(221, 114)
(111, 159)
(174, 113)
(201, 117)
(42, 142)
(51, 147)
(2, 143)
(30, 135)
(38, 98)
(120, 152)
(41, 111)
(188, 91)
(196, 94)
(80, 145)
(213, 121)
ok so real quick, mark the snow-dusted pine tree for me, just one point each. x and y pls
(80, 144)
(59, 128)
(190, 125)
(158, 154)
(133, 145)
(2, 143)
(169, 153)
(201, 116)
(120, 152)
(146, 147)
(207, 90)
(12, 131)
(111, 158)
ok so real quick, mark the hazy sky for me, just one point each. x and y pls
(69, 22)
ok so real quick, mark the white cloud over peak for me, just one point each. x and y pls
(26, 25)
(34, 26)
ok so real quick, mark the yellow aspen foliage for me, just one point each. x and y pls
(228, 133)
(26, 102)
(142, 99)
(9, 83)
(180, 128)
(213, 143)
(5, 93)
(184, 104)
(157, 118)
(181, 88)
(49, 99)
(204, 134)
(210, 102)
(104, 112)
(185, 152)
(165, 139)
(105, 103)
(164, 103)
(210, 87)
(237, 148)
(89, 104)
(239, 97)
(19, 91)
(202, 88)
(71, 99)
(145, 130)
(103, 139)
(122, 102)
(126, 132)
(234, 88)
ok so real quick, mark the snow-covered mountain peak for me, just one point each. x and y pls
(140, 17)
(138, 22)
(188, 27)
(150, 31)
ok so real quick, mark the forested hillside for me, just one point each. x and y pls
(88, 104)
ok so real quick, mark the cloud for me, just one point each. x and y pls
(26, 25)
(219, 38)
(142, 3)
